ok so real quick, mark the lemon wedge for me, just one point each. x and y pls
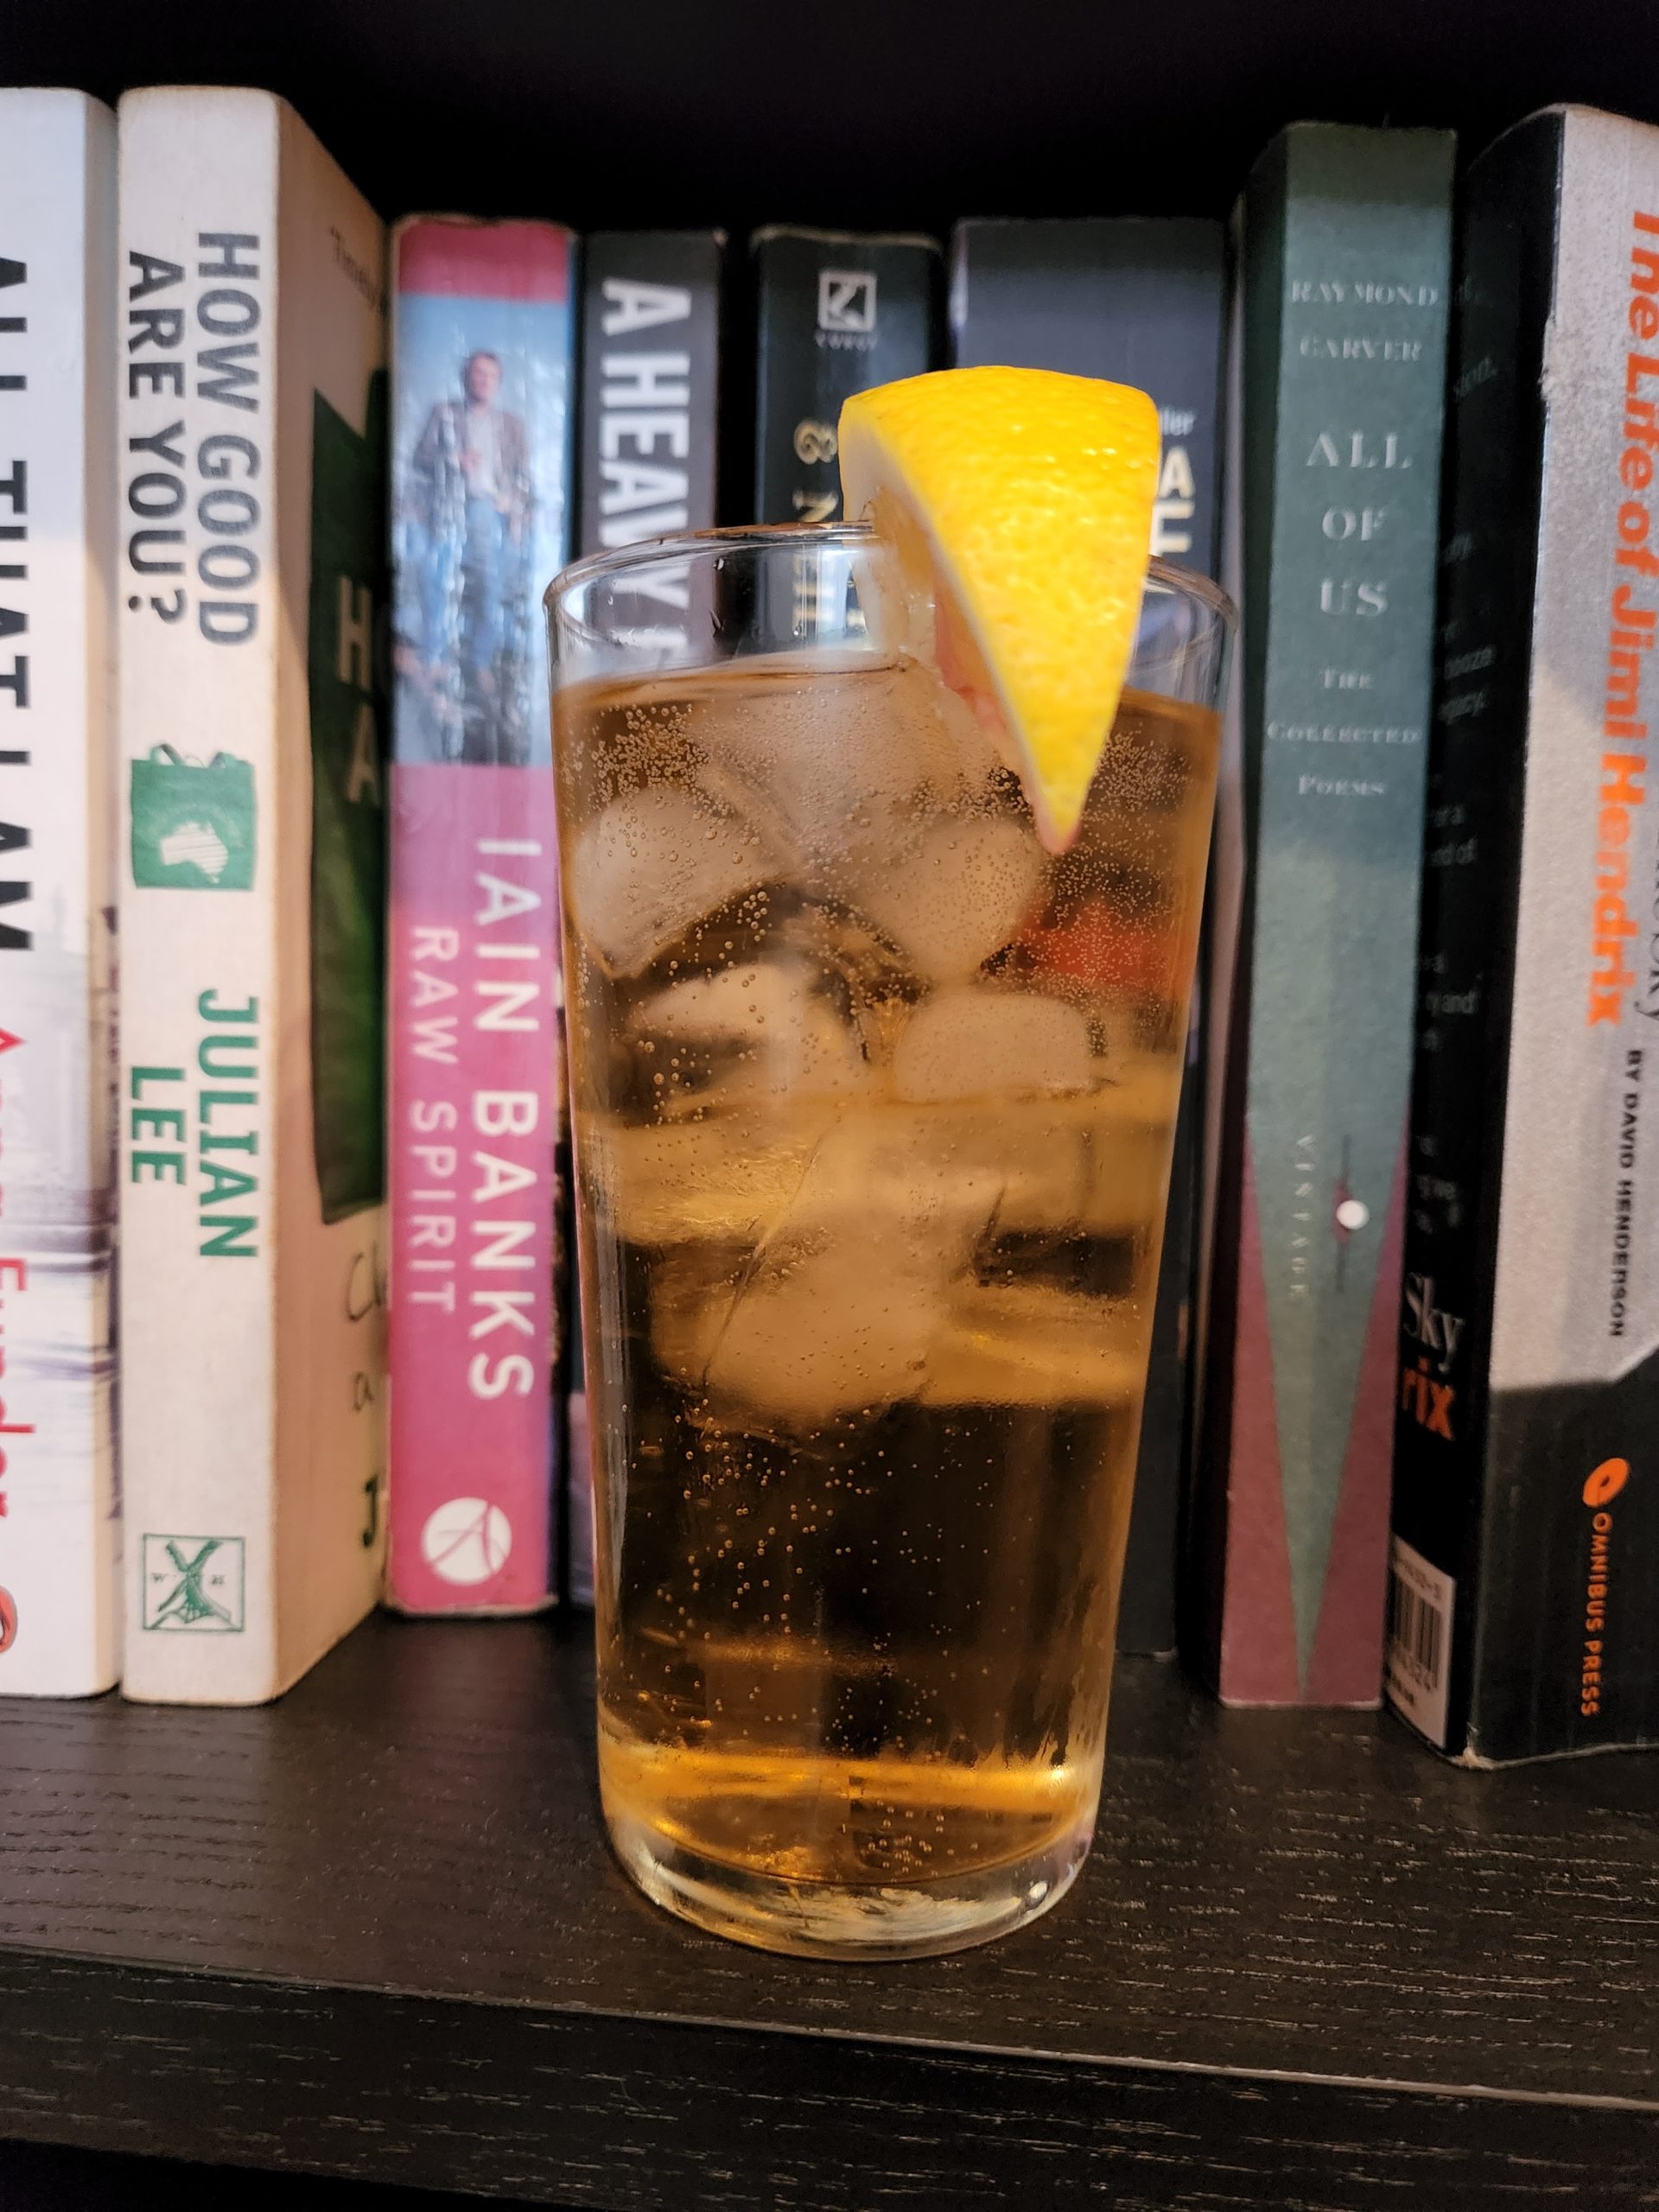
(1022, 499)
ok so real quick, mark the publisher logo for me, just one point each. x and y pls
(192, 824)
(467, 1541)
(847, 300)
(193, 1583)
(8, 1620)
(1601, 1486)
(1605, 1482)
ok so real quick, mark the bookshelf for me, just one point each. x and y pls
(372, 1933)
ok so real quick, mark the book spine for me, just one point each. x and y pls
(1471, 884)
(651, 392)
(1548, 1391)
(1342, 399)
(251, 831)
(1223, 951)
(482, 368)
(834, 315)
(653, 327)
(60, 1525)
(1138, 303)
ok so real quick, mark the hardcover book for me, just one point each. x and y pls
(482, 369)
(60, 1515)
(1525, 1611)
(1139, 302)
(1344, 261)
(252, 426)
(834, 314)
(652, 357)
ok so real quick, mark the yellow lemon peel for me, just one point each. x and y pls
(1029, 497)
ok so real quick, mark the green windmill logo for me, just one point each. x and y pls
(193, 1583)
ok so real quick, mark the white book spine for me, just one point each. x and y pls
(253, 324)
(59, 1516)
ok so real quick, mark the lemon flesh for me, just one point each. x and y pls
(1022, 499)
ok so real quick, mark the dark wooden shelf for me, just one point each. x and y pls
(374, 1932)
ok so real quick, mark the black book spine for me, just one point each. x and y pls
(651, 375)
(834, 315)
(1494, 439)
(1526, 1514)
(648, 439)
(1142, 302)
(1138, 301)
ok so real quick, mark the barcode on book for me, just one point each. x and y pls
(1419, 1640)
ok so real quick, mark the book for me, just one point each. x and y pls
(1138, 301)
(482, 368)
(834, 313)
(251, 431)
(1344, 243)
(59, 1512)
(1524, 1609)
(651, 391)
(652, 398)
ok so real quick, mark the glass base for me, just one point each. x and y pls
(821, 1920)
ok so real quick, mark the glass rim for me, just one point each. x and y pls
(645, 552)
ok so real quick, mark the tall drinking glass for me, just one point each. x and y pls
(872, 1102)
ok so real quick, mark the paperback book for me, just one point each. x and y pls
(1140, 302)
(653, 392)
(836, 313)
(1343, 245)
(251, 429)
(60, 1511)
(1524, 1610)
(482, 369)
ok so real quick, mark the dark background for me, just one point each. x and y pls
(891, 112)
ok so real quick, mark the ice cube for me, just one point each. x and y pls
(757, 1027)
(726, 1180)
(836, 1302)
(835, 765)
(892, 1171)
(1027, 1344)
(826, 1324)
(981, 1042)
(956, 895)
(653, 864)
(1033, 1153)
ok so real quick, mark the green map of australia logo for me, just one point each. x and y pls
(193, 822)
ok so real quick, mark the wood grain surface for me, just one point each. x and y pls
(374, 1930)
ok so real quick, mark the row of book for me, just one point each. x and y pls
(212, 499)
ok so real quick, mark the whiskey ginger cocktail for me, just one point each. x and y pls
(873, 1091)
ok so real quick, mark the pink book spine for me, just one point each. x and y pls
(474, 1050)
(480, 466)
